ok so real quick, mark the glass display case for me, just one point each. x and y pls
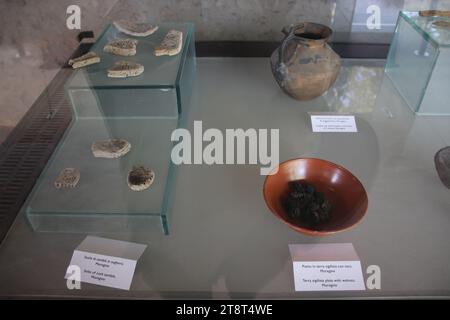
(142, 110)
(225, 243)
(418, 62)
(360, 182)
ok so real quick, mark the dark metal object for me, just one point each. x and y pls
(442, 162)
(85, 35)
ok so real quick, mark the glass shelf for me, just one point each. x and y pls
(425, 26)
(103, 188)
(163, 74)
(418, 62)
(143, 110)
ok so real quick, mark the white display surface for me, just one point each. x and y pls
(224, 242)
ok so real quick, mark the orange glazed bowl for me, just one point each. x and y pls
(341, 188)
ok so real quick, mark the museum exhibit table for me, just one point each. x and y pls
(223, 240)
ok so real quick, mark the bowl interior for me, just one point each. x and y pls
(343, 190)
(312, 31)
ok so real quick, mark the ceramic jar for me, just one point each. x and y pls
(304, 65)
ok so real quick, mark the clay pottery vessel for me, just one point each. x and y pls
(339, 186)
(304, 66)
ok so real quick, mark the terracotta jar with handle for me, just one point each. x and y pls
(304, 65)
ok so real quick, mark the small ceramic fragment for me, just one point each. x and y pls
(135, 29)
(434, 13)
(140, 178)
(122, 47)
(84, 60)
(442, 24)
(442, 162)
(123, 69)
(68, 178)
(171, 44)
(111, 148)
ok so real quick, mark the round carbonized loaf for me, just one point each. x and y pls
(140, 178)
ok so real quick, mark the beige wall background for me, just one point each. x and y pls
(35, 43)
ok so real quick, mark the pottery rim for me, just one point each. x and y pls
(311, 32)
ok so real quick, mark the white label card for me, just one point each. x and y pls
(333, 123)
(106, 262)
(326, 267)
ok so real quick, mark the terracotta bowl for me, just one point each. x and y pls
(341, 188)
